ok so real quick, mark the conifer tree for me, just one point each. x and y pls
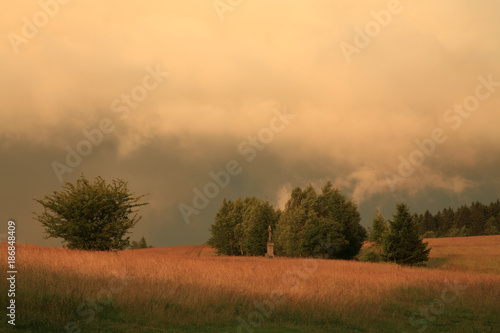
(490, 228)
(378, 230)
(403, 244)
(142, 244)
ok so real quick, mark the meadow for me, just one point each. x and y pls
(189, 289)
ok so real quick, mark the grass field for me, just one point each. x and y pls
(189, 289)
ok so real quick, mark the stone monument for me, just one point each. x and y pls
(270, 246)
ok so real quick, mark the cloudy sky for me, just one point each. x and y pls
(391, 101)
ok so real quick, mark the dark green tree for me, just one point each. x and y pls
(91, 216)
(477, 218)
(491, 227)
(321, 238)
(438, 219)
(462, 218)
(466, 221)
(343, 215)
(324, 225)
(494, 209)
(378, 229)
(290, 226)
(447, 221)
(241, 227)
(223, 238)
(235, 222)
(142, 244)
(458, 232)
(403, 244)
(429, 223)
(257, 217)
(315, 228)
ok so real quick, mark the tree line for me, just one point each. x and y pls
(98, 216)
(322, 225)
(476, 219)
(325, 224)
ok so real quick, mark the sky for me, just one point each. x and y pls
(193, 102)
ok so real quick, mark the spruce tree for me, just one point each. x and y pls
(378, 230)
(490, 228)
(142, 244)
(447, 223)
(403, 244)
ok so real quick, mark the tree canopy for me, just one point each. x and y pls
(91, 216)
(241, 227)
(475, 219)
(323, 225)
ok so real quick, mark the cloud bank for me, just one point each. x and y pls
(356, 120)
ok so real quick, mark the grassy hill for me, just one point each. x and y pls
(480, 254)
(188, 289)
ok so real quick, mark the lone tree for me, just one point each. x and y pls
(403, 244)
(91, 216)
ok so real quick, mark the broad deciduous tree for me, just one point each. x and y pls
(91, 216)
(324, 225)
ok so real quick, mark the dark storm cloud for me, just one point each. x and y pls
(355, 121)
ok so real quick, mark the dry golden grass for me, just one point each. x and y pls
(187, 250)
(189, 285)
(475, 254)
